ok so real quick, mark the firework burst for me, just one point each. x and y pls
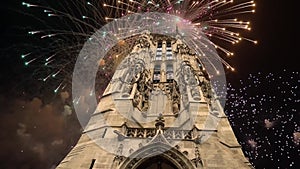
(66, 25)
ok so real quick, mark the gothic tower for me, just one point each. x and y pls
(159, 111)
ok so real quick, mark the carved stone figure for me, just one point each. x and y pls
(195, 93)
(126, 90)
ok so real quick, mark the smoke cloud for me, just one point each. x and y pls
(36, 135)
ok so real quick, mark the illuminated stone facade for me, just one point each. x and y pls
(159, 111)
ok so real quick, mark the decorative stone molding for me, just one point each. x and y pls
(157, 149)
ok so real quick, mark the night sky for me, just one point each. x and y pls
(38, 127)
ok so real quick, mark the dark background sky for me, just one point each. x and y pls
(35, 134)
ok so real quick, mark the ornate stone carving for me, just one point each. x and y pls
(197, 160)
(144, 87)
(120, 150)
(131, 132)
(126, 90)
(176, 98)
(131, 151)
(118, 160)
(206, 89)
(141, 133)
(195, 93)
(150, 133)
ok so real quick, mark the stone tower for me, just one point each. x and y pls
(158, 112)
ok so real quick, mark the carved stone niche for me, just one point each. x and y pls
(195, 93)
(142, 92)
(176, 106)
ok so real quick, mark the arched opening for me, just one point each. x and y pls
(157, 162)
(157, 155)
